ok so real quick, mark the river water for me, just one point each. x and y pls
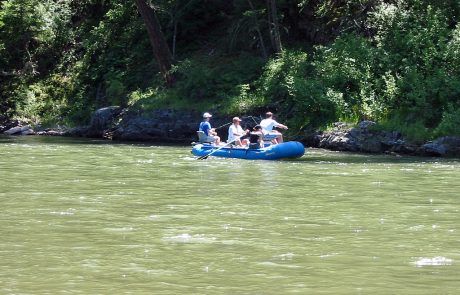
(91, 217)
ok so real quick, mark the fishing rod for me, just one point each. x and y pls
(246, 117)
(223, 125)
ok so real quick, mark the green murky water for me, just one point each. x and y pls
(89, 217)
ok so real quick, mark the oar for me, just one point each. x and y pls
(206, 156)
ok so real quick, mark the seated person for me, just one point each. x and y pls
(267, 128)
(236, 133)
(256, 138)
(211, 133)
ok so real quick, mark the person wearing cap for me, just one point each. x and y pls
(210, 132)
(235, 133)
(267, 128)
(256, 138)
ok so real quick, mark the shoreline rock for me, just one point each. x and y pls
(20, 130)
(441, 147)
(366, 138)
(362, 138)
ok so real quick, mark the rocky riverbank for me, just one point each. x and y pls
(116, 123)
(180, 127)
(155, 126)
(17, 127)
(367, 138)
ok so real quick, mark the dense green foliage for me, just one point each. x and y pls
(395, 62)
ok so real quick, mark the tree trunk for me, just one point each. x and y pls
(157, 39)
(262, 43)
(174, 39)
(274, 30)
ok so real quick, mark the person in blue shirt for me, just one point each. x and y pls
(210, 132)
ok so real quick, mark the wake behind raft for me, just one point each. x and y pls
(285, 150)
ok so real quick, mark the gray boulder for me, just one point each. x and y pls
(443, 146)
(364, 137)
(159, 125)
(13, 130)
(361, 138)
(27, 130)
(102, 121)
(20, 130)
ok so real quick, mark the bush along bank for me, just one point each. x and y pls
(173, 126)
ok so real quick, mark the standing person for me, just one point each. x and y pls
(256, 138)
(267, 128)
(210, 132)
(235, 132)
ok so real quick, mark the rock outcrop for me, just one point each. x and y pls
(103, 121)
(444, 146)
(20, 130)
(159, 125)
(366, 138)
(362, 138)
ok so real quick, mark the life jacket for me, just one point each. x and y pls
(254, 137)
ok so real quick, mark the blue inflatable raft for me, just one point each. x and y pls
(285, 150)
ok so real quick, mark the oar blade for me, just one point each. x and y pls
(203, 157)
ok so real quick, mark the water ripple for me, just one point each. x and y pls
(433, 261)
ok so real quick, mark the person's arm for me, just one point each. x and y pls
(282, 126)
(279, 125)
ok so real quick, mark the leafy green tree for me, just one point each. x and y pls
(31, 35)
(415, 37)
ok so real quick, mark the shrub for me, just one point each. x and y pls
(450, 122)
(288, 85)
(219, 81)
(349, 67)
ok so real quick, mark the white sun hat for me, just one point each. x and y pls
(207, 115)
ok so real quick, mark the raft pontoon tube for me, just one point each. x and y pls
(285, 150)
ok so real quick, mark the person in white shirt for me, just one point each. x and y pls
(267, 128)
(235, 132)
